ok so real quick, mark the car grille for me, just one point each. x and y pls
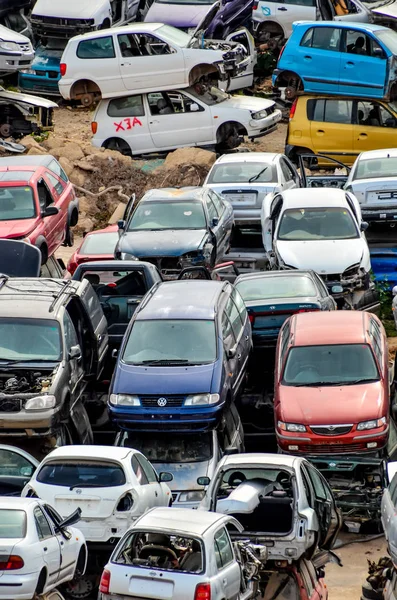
(331, 277)
(331, 429)
(63, 21)
(10, 405)
(330, 449)
(162, 401)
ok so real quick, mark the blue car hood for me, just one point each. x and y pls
(135, 379)
(169, 242)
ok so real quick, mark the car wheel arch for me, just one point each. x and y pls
(199, 71)
(41, 581)
(83, 88)
(269, 29)
(42, 245)
(119, 145)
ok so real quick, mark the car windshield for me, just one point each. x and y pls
(12, 523)
(374, 168)
(290, 286)
(342, 364)
(30, 339)
(302, 224)
(208, 95)
(173, 35)
(155, 216)
(101, 243)
(81, 473)
(242, 172)
(389, 39)
(161, 448)
(183, 341)
(16, 202)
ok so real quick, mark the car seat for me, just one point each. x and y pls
(163, 107)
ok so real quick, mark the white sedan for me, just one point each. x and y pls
(373, 180)
(39, 550)
(199, 116)
(112, 487)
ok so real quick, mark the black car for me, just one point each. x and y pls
(175, 228)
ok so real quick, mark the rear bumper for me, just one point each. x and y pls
(105, 530)
(376, 214)
(18, 587)
(247, 216)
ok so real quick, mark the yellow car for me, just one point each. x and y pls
(340, 127)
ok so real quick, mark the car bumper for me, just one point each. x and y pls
(39, 85)
(32, 424)
(353, 442)
(247, 216)
(260, 127)
(18, 587)
(376, 214)
(64, 90)
(105, 530)
(15, 62)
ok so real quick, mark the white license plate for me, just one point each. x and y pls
(241, 197)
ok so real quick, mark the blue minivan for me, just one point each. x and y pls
(183, 358)
(340, 58)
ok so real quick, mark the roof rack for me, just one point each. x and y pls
(61, 291)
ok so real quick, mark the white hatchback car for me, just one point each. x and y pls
(112, 486)
(39, 550)
(142, 57)
(245, 179)
(160, 121)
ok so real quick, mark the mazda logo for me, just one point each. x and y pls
(331, 427)
(162, 401)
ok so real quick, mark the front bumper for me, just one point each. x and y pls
(39, 84)
(18, 587)
(352, 442)
(260, 127)
(66, 30)
(14, 61)
(39, 423)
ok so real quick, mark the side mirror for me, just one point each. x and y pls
(114, 353)
(337, 289)
(194, 107)
(231, 353)
(71, 519)
(51, 211)
(391, 122)
(364, 226)
(378, 52)
(203, 481)
(165, 477)
(214, 222)
(121, 224)
(75, 352)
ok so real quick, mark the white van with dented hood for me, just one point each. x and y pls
(143, 123)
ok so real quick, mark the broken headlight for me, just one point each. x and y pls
(40, 403)
(293, 427)
(351, 271)
(373, 424)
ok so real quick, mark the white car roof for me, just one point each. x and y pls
(248, 157)
(17, 502)
(261, 458)
(179, 519)
(138, 27)
(382, 153)
(80, 451)
(314, 198)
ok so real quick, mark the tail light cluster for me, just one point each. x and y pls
(255, 6)
(293, 109)
(62, 68)
(203, 591)
(104, 585)
(94, 127)
(12, 563)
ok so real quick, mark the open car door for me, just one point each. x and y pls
(16, 469)
(19, 259)
(320, 163)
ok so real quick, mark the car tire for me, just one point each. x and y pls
(69, 237)
(44, 253)
(118, 145)
(370, 594)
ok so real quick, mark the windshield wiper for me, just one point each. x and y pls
(255, 177)
(13, 361)
(82, 485)
(165, 361)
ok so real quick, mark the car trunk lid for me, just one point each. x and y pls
(152, 583)
(272, 315)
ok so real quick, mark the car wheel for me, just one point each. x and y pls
(87, 99)
(118, 145)
(80, 588)
(44, 254)
(69, 237)
(369, 593)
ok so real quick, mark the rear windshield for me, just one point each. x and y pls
(100, 243)
(163, 448)
(376, 167)
(242, 173)
(276, 287)
(337, 364)
(12, 523)
(81, 474)
(16, 202)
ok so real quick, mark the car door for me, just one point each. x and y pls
(101, 64)
(329, 517)
(216, 227)
(129, 121)
(16, 468)
(176, 119)
(67, 543)
(285, 12)
(271, 210)
(241, 346)
(50, 548)
(374, 128)
(61, 201)
(290, 175)
(76, 375)
(389, 502)
(331, 126)
(147, 62)
(52, 222)
(228, 568)
(146, 490)
(158, 489)
(226, 220)
(96, 327)
(318, 57)
(363, 65)
(246, 77)
(229, 343)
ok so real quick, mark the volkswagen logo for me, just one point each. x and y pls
(162, 401)
(78, 491)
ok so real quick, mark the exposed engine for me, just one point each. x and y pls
(19, 120)
(26, 383)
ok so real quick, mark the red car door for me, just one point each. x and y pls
(59, 193)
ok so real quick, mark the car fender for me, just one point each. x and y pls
(366, 258)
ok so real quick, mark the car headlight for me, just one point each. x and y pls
(261, 114)
(126, 256)
(373, 424)
(293, 427)
(124, 400)
(10, 46)
(201, 399)
(351, 271)
(195, 496)
(28, 71)
(40, 403)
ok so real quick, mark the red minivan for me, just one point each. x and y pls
(332, 392)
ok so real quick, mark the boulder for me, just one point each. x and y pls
(71, 151)
(37, 151)
(29, 142)
(85, 225)
(87, 206)
(66, 165)
(190, 156)
(77, 177)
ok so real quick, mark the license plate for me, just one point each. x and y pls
(241, 197)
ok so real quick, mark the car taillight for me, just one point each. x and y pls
(94, 127)
(302, 310)
(293, 109)
(281, 52)
(104, 585)
(62, 68)
(72, 265)
(203, 591)
(12, 563)
(252, 319)
(255, 6)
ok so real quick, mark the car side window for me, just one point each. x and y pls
(42, 525)
(322, 38)
(284, 341)
(219, 205)
(239, 302)
(289, 175)
(101, 47)
(128, 106)
(45, 197)
(59, 187)
(212, 212)
(56, 168)
(92, 306)
(223, 549)
(317, 482)
(138, 470)
(148, 469)
(307, 487)
(330, 111)
(150, 45)
(12, 463)
(71, 338)
(227, 331)
(235, 318)
(373, 114)
(356, 42)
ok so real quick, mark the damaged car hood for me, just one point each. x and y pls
(323, 256)
(247, 102)
(74, 9)
(169, 242)
(26, 99)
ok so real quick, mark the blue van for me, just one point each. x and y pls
(44, 73)
(339, 58)
(183, 358)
